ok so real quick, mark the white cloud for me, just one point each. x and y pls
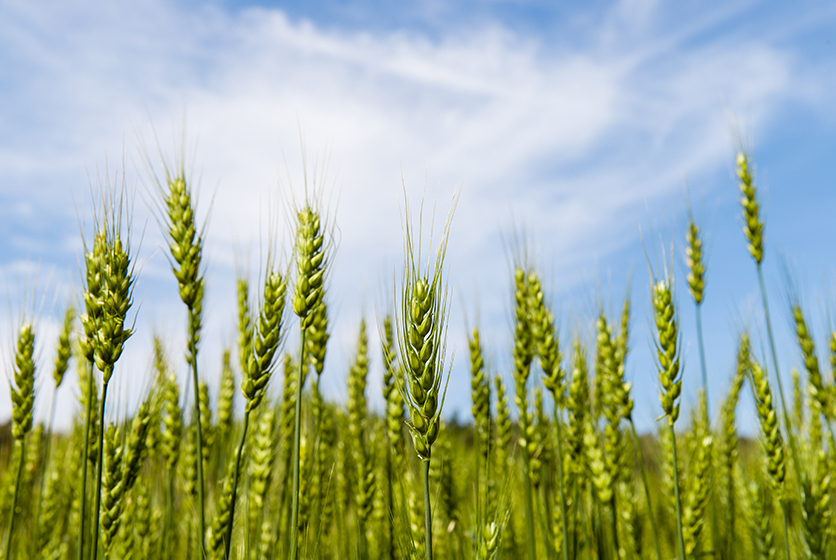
(573, 140)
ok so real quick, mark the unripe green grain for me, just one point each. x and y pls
(64, 350)
(23, 402)
(761, 509)
(112, 488)
(316, 338)
(310, 265)
(186, 247)
(816, 512)
(694, 261)
(263, 456)
(667, 355)
(172, 422)
(503, 428)
(422, 333)
(245, 323)
(226, 397)
(216, 540)
(752, 224)
(136, 449)
(728, 441)
(694, 514)
(820, 393)
(309, 292)
(770, 430)
(51, 509)
(395, 416)
(266, 340)
(480, 393)
(23, 390)
(207, 429)
(598, 471)
(526, 289)
(667, 348)
(357, 429)
(577, 405)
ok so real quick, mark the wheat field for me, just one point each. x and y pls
(551, 467)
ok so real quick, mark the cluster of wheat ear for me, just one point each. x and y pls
(198, 472)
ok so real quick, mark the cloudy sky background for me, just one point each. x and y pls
(579, 126)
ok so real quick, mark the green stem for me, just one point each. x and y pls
(200, 481)
(11, 529)
(82, 513)
(316, 475)
(614, 507)
(676, 489)
(45, 460)
(106, 379)
(600, 545)
(390, 503)
(428, 517)
(729, 548)
(228, 538)
(563, 512)
(702, 365)
(646, 491)
(714, 531)
(297, 441)
(786, 530)
(169, 504)
(529, 504)
(541, 499)
(772, 342)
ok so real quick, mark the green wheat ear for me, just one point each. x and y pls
(112, 488)
(64, 350)
(753, 226)
(23, 391)
(422, 343)
(667, 348)
(694, 261)
(771, 431)
(311, 265)
(480, 391)
(23, 402)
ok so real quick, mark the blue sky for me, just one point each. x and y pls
(579, 124)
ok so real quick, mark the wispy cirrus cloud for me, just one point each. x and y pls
(572, 138)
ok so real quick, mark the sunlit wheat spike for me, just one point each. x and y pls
(172, 422)
(64, 349)
(577, 404)
(694, 261)
(772, 440)
(112, 488)
(395, 414)
(667, 347)
(316, 338)
(226, 395)
(422, 332)
(820, 393)
(752, 224)
(310, 264)
(23, 390)
(267, 337)
(480, 392)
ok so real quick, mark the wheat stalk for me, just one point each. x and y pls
(309, 292)
(267, 337)
(667, 355)
(422, 344)
(23, 403)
